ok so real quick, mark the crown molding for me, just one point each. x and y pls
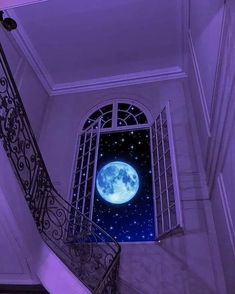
(54, 89)
(30, 53)
(119, 81)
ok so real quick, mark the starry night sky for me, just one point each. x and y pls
(134, 220)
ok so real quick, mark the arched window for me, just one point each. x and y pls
(125, 176)
(116, 115)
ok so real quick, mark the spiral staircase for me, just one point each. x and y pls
(88, 251)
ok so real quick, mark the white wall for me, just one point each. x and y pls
(24, 257)
(190, 260)
(32, 93)
(65, 113)
(204, 36)
(212, 47)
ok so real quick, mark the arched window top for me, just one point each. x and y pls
(117, 115)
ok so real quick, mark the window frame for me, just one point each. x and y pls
(148, 125)
(178, 228)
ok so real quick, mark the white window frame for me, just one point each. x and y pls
(177, 228)
(158, 207)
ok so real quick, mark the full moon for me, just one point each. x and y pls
(117, 182)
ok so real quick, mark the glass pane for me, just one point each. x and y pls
(87, 124)
(123, 106)
(93, 142)
(90, 171)
(155, 156)
(76, 179)
(171, 196)
(157, 188)
(134, 110)
(160, 150)
(121, 123)
(82, 139)
(96, 115)
(75, 190)
(163, 183)
(79, 163)
(123, 115)
(173, 216)
(131, 120)
(107, 108)
(164, 201)
(164, 129)
(159, 136)
(168, 159)
(166, 221)
(158, 206)
(159, 225)
(158, 122)
(156, 173)
(80, 151)
(141, 118)
(166, 144)
(87, 204)
(169, 177)
(107, 124)
(161, 164)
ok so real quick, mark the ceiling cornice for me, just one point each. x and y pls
(54, 89)
(119, 81)
(31, 54)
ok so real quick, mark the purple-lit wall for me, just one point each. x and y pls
(25, 258)
(190, 263)
(211, 83)
(34, 96)
(183, 264)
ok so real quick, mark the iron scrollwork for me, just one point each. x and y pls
(88, 251)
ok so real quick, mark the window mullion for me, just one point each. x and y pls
(87, 169)
(153, 148)
(159, 178)
(115, 115)
(166, 181)
(174, 168)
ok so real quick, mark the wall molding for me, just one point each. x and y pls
(227, 211)
(223, 112)
(21, 38)
(119, 81)
(54, 89)
(203, 102)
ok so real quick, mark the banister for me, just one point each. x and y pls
(87, 250)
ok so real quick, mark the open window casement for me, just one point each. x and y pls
(84, 174)
(167, 206)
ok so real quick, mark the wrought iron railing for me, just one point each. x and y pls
(89, 252)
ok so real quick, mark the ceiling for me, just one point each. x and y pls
(86, 40)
